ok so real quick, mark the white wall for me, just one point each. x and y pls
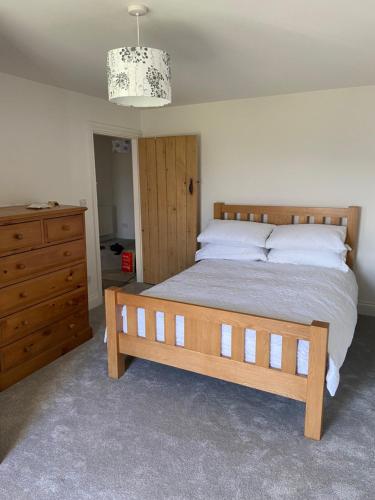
(114, 179)
(104, 185)
(122, 172)
(315, 148)
(46, 150)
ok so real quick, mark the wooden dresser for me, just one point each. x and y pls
(43, 288)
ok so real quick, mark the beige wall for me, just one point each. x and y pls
(104, 184)
(122, 170)
(103, 169)
(315, 148)
(114, 180)
(45, 148)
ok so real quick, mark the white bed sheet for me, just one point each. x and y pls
(283, 291)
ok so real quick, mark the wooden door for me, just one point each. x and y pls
(168, 171)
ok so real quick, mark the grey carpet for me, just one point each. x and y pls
(69, 432)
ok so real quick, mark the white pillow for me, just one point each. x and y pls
(236, 233)
(227, 252)
(308, 237)
(321, 258)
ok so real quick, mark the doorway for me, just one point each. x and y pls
(114, 184)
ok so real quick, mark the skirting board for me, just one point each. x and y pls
(366, 308)
(95, 301)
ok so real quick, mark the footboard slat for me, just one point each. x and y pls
(202, 336)
(289, 355)
(170, 330)
(191, 334)
(214, 339)
(132, 321)
(238, 344)
(150, 325)
(262, 348)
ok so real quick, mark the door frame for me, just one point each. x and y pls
(123, 133)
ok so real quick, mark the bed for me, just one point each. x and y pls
(262, 325)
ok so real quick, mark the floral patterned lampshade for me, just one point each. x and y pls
(139, 77)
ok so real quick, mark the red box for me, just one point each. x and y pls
(127, 262)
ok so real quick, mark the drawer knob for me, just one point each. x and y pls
(25, 322)
(67, 253)
(18, 236)
(71, 326)
(46, 333)
(70, 302)
(23, 295)
(28, 348)
(69, 278)
(21, 266)
(65, 227)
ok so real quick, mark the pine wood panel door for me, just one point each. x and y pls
(168, 172)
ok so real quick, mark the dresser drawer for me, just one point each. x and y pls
(22, 295)
(20, 266)
(21, 371)
(17, 236)
(29, 320)
(42, 340)
(63, 228)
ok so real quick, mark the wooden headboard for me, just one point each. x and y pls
(297, 215)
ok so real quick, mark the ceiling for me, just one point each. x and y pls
(262, 48)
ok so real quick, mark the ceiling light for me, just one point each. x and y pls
(139, 76)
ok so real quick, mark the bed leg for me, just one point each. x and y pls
(116, 360)
(316, 380)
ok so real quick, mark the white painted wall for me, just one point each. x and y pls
(114, 179)
(104, 184)
(315, 148)
(46, 148)
(122, 172)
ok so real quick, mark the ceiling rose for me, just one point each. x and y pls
(139, 76)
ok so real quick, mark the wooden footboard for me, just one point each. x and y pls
(201, 352)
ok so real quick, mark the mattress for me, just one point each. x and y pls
(282, 291)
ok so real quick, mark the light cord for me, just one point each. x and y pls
(138, 29)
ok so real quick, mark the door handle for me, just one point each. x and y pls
(191, 187)
(28, 348)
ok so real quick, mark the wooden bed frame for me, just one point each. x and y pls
(202, 331)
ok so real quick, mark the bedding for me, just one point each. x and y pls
(282, 291)
(321, 258)
(308, 237)
(213, 251)
(236, 233)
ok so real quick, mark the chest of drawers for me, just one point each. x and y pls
(43, 288)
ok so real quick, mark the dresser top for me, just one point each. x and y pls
(22, 212)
